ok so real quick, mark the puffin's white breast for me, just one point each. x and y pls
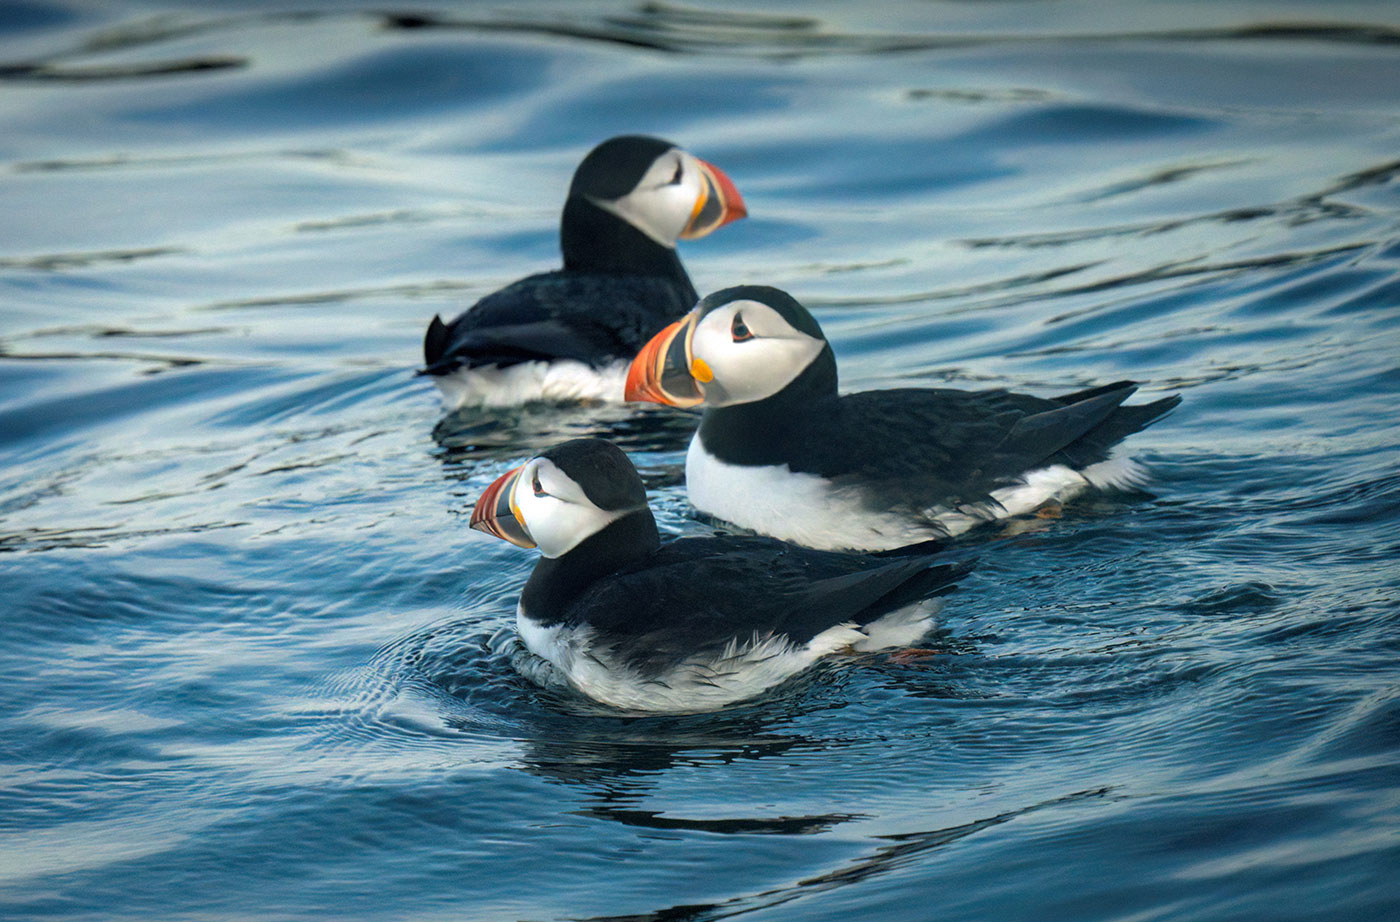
(801, 508)
(493, 386)
(742, 669)
(812, 511)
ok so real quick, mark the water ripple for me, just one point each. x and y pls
(257, 666)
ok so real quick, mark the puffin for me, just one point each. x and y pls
(693, 624)
(569, 334)
(780, 452)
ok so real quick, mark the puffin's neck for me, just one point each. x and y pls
(755, 434)
(595, 240)
(557, 582)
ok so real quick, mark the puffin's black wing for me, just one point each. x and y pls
(909, 445)
(1087, 427)
(595, 318)
(697, 594)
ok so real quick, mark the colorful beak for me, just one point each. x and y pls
(661, 372)
(496, 513)
(719, 203)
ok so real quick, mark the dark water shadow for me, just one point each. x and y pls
(679, 29)
(653, 26)
(55, 73)
(476, 433)
(894, 852)
(776, 826)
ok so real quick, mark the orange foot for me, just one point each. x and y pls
(1051, 510)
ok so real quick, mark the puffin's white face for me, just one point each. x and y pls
(745, 351)
(679, 196)
(551, 511)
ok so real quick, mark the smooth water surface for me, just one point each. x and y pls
(255, 666)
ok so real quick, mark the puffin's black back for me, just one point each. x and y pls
(590, 317)
(915, 448)
(658, 603)
(693, 596)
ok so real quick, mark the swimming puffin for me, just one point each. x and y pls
(778, 451)
(569, 334)
(693, 624)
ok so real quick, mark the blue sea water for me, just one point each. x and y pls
(255, 666)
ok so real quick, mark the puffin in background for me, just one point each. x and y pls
(779, 452)
(693, 624)
(569, 334)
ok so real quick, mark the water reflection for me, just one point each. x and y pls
(481, 680)
(94, 73)
(739, 825)
(473, 433)
(615, 763)
(613, 756)
(887, 854)
(676, 28)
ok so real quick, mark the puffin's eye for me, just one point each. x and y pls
(535, 484)
(676, 177)
(739, 330)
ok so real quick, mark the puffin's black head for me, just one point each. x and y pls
(783, 304)
(561, 497)
(603, 471)
(661, 190)
(616, 167)
(739, 345)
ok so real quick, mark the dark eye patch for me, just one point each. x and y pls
(676, 177)
(740, 330)
(535, 484)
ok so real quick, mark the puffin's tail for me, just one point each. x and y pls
(924, 583)
(1095, 444)
(1129, 419)
(434, 345)
(1088, 423)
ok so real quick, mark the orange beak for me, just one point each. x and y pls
(718, 204)
(661, 371)
(496, 513)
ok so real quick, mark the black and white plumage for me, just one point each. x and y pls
(568, 334)
(693, 624)
(780, 452)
